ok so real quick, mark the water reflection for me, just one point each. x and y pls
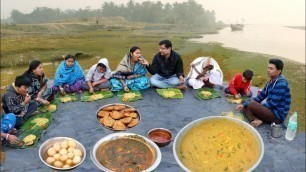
(267, 39)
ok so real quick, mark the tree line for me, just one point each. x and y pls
(190, 13)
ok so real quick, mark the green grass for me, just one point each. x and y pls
(113, 39)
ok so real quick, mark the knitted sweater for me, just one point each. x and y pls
(277, 93)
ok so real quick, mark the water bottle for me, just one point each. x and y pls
(292, 127)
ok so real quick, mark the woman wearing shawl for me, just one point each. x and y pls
(69, 76)
(38, 89)
(98, 76)
(130, 73)
(205, 71)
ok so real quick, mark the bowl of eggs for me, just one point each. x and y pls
(62, 153)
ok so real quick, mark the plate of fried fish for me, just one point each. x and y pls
(118, 116)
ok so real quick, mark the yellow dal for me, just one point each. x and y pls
(219, 145)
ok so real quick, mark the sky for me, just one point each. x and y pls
(283, 12)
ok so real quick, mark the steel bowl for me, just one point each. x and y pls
(188, 127)
(113, 105)
(154, 148)
(42, 152)
(161, 136)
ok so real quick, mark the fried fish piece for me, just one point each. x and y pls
(116, 114)
(108, 108)
(101, 120)
(119, 107)
(118, 125)
(103, 113)
(131, 114)
(126, 120)
(108, 121)
(129, 110)
(133, 122)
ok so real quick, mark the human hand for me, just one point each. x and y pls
(27, 98)
(237, 96)
(144, 62)
(126, 88)
(248, 93)
(94, 84)
(239, 108)
(21, 115)
(91, 90)
(182, 80)
(45, 102)
(63, 93)
(12, 139)
(130, 77)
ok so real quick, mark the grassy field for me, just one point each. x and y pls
(50, 42)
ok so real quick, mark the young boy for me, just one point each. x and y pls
(16, 100)
(240, 84)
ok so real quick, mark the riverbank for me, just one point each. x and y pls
(50, 42)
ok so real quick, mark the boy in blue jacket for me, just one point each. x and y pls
(277, 95)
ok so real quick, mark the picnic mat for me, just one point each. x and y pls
(232, 99)
(206, 93)
(49, 108)
(67, 98)
(34, 133)
(172, 93)
(236, 115)
(41, 120)
(89, 97)
(131, 96)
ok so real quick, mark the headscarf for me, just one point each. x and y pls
(93, 76)
(68, 75)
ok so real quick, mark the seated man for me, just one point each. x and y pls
(166, 68)
(16, 100)
(277, 93)
(7, 126)
(240, 85)
(98, 76)
(204, 71)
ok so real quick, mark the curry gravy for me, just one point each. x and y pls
(219, 145)
(125, 154)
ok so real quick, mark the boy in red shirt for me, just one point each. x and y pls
(240, 85)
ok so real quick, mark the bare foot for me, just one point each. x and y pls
(256, 122)
(181, 87)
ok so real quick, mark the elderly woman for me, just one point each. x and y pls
(130, 73)
(98, 76)
(38, 89)
(69, 76)
(205, 71)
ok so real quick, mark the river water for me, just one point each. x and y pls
(267, 39)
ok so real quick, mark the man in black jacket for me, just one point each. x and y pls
(166, 68)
